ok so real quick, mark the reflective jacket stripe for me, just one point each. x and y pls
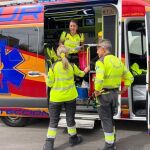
(63, 88)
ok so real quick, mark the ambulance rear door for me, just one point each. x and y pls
(147, 18)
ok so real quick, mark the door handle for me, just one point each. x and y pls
(34, 73)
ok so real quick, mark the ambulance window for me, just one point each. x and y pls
(136, 38)
(109, 30)
(23, 38)
(109, 26)
(137, 43)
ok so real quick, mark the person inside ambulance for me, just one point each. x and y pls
(136, 70)
(73, 40)
(138, 73)
(63, 93)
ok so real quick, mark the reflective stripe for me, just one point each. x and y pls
(63, 79)
(109, 137)
(51, 132)
(110, 77)
(72, 130)
(72, 43)
(99, 71)
(71, 46)
(111, 87)
(98, 81)
(63, 88)
(115, 63)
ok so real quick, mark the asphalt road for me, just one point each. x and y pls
(131, 135)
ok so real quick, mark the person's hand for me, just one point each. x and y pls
(97, 93)
(87, 69)
(61, 44)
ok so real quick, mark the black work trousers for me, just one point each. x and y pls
(108, 101)
(55, 110)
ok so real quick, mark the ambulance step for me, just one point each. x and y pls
(85, 124)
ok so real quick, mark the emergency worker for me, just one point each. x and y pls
(109, 72)
(63, 92)
(72, 40)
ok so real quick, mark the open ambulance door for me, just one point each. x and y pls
(148, 64)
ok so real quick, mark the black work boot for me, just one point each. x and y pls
(49, 144)
(75, 140)
(110, 146)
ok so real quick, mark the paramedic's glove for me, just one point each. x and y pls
(124, 89)
(87, 69)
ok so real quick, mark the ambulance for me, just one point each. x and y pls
(25, 29)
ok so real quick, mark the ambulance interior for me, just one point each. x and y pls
(138, 64)
(91, 20)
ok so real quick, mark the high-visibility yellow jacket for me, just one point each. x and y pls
(52, 57)
(72, 42)
(62, 82)
(109, 72)
(136, 70)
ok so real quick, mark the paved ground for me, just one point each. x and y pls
(131, 136)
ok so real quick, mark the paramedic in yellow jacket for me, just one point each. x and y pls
(72, 40)
(109, 72)
(63, 92)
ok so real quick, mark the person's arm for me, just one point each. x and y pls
(49, 79)
(128, 79)
(79, 72)
(100, 70)
(62, 38)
